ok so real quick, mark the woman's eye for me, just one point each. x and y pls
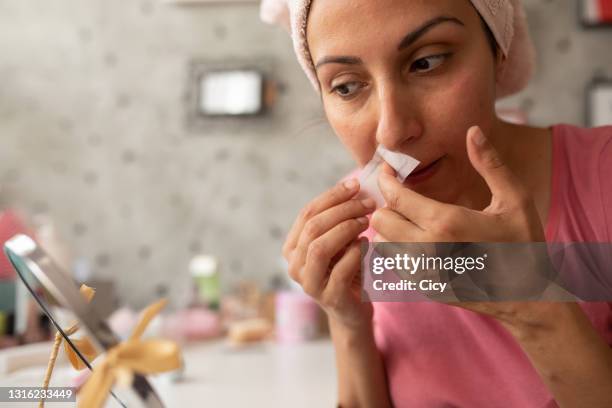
(428, 63)
(346, 90)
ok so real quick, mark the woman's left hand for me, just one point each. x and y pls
(511, 216)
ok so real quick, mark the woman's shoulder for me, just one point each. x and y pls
(595, 139)
(582, 193)
(582, 152)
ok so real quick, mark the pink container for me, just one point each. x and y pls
(297, 317)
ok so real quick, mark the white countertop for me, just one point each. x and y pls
(218, 375)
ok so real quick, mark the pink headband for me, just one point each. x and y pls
(505, 18)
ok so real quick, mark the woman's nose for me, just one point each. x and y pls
(397, 121)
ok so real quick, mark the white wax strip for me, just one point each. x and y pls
(402, 163)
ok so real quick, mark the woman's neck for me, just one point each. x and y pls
(527, 151)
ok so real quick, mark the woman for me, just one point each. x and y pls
(421, 78)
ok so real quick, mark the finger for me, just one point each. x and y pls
(417, 208)
(344, 273)
(334, 196)
(322, 250)
(395, 228)
(387, 169)
(504, 185)
(325, 221)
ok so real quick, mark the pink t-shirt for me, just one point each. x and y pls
(440, 356)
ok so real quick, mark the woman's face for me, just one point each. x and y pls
(412, 75)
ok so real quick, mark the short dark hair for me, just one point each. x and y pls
(490, 37)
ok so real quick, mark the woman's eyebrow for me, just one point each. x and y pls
(412, 36)
(406, 41)
(338, 60)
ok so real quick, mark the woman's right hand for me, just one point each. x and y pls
(324, 255)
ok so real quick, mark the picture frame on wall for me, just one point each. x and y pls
(232, 95)
(599, 103)
(595, 13)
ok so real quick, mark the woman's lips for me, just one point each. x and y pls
(423, 173)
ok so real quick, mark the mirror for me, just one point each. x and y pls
(60, 299)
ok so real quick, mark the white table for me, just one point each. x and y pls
(217, 375)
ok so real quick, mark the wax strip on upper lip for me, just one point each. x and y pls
(402, 163)
(368, 179)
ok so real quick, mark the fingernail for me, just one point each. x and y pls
(368, 203)
(351, 184)
(362, 220)
(478, 137)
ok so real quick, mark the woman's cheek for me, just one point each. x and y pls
(449, 112)
(467, 101)
(355, 135)
(478, 86)
(446, 118)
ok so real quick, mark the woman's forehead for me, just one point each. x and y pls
(366, 27)
(345, 21)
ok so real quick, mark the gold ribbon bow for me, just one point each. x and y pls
(145, 357)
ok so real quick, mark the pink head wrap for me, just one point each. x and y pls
(505, 18)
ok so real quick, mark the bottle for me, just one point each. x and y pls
(205, 274)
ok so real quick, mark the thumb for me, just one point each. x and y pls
(387, 169)
(502, 182)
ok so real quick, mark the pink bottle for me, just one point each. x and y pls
(297, 317)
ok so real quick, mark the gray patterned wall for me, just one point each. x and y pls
(92, 118)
